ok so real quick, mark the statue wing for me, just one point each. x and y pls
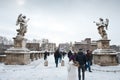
(18, 19)
(106, 23)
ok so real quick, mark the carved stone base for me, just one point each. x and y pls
(103, 44)
(105, 57)
(19, 41)
(17, 56)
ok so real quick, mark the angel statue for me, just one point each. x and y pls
(23, 24)
(102, 27)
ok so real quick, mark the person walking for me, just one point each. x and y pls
(45, 58)
(69, 54)
(45, 55)
(88, 60)
(56, 57)
(81, 59)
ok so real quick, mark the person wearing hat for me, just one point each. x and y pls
(81, 59)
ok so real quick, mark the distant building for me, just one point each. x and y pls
(85, 45)
(93, 45)
(4, 47)
(80, 45)
(33, 46)
(44, 44)
(115, 47)
(5, 41)
(64, 47)
(51, 47)
(47, 46)
(45, 41)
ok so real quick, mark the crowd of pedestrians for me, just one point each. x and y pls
(58, 55)
(79, 62)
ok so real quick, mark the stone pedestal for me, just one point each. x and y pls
(19, 41)
(103, 44)
(19, 54)
(104, 56)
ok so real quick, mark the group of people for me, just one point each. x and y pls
(79, 62)
(58, 55)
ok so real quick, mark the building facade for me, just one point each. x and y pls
(85, 45)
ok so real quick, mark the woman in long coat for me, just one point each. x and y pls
(72, 70)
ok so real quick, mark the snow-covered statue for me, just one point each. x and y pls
(22, 21)
(102, 27)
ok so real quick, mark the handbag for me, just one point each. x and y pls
(76, 63)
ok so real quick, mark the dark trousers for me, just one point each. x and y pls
(56, 62)
(88, 64)
(81, 68)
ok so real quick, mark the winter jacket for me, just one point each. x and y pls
(57, 54)
(81, 58)
(89, 57)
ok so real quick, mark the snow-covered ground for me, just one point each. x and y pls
(37, 71)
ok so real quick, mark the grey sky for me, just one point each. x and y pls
(60, 20)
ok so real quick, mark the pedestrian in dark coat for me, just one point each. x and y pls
(56, 57)
(88, 60)
(81, 59)
(45, 55)
(69, 54)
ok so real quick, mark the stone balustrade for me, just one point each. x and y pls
(2, 58)
(35, 55)
(22, 58)
(118, 57)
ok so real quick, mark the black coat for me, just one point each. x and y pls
(89, 57)
(56, 54)
(81, 58)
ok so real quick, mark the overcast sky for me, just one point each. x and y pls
(61, 20)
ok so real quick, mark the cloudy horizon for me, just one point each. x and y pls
(60, 20)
